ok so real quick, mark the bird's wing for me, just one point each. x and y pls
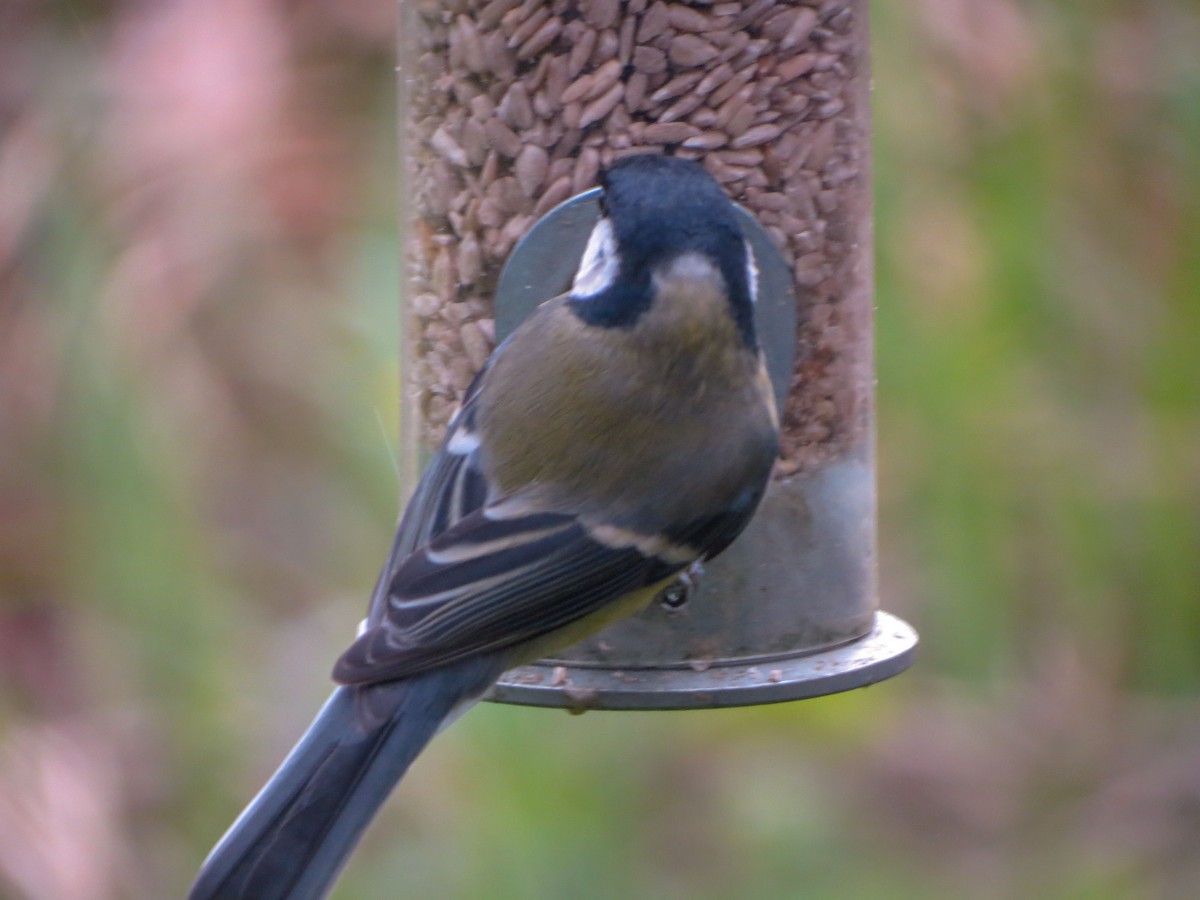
(451, 488)
(501, 576)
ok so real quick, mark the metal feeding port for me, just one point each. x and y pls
(789, 611)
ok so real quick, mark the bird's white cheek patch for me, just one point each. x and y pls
(598, 268)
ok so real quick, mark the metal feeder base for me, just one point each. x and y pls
(886, 651)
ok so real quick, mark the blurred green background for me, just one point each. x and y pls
(197, 412)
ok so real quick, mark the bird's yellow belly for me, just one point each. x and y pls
(633, 602)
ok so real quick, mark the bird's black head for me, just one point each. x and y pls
(653, 210)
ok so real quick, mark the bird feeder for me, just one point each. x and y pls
(509, 109)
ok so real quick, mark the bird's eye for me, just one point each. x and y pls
(598, 267)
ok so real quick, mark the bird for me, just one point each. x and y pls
(625, 432)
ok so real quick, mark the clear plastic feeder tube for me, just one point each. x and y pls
(509, 110)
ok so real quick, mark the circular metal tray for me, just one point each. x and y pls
(886, 650)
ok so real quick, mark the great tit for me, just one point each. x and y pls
(624, 432)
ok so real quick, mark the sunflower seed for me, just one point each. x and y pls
(530, 168)
(593, 84)
(540, 39)
(635, 91)
(601, 14)
(676, 86)
(587, 166)
(654, 22)
(649, 60)
(558, 191)
(448, 148)
(581, 52)
(526, 29)
(669, 132)
(684, 18)
(759, 134)
(607, 43)
(602, 105)
(681, 108)
(503, 138)
(708, 140)
(489, 17)
(515, 109)
(688, 51)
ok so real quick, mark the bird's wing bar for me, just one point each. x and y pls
(489, 583)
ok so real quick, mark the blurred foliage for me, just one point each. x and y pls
(197, 398)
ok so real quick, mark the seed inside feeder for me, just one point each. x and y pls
(512, 107)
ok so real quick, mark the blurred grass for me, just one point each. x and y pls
(197, 295)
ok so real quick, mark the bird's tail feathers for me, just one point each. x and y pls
(293, 839)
